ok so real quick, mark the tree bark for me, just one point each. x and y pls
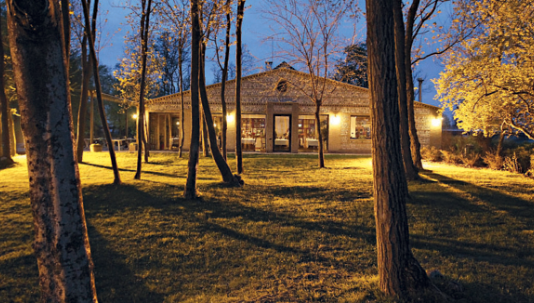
(400, 63)
(205, 143)
(107, 134)
(4, 105)
(182, 115)
(61, 242)
(238, 59)
(410, 91)
(319, 134)
(224, 78)
(190, 191)
(84, 95)
(141, 137)
(399, 272)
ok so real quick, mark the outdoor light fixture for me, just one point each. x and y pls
(177, 122)
(336, 119)
(436, 122)
(230, 118)
(134, 116)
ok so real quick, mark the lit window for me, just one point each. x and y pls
(360, 127)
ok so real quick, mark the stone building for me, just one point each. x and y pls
(278, 116)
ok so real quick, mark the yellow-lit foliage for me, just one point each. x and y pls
(489, 78)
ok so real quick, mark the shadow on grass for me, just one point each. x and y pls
(179, 176)
(116, 281)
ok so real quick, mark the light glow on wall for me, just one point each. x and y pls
(335, 120)
(436, 122)
(230, 118)
(134, 116)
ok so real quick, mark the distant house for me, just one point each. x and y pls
(278, 117)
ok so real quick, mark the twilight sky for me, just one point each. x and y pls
(255, 35)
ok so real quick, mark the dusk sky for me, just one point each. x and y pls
(255, 35)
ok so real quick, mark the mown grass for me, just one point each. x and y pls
(293, 233)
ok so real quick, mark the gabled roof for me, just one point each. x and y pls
(282, 67)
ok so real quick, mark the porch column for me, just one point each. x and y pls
(157, 131)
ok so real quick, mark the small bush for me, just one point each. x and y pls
(493, 160)
(431, 153)
(449, 156)
(471, 160)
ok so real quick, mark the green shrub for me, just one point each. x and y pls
(430, 153)
(493, 160)
(512, 165)
(471, 160)
(450, 156)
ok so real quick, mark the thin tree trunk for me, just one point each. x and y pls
(92, 120)
(86, 75)
(6, 142)
(319, 134)
(205, 143)
(410, 91)
(146, 136)
(190, 191)
(400, 63)
(141, 137)
(88, 31)
(399, 272)
(224, 169)
(61, 242)
(182, 115)
(224, 78)
(65, 16)
(238, 59)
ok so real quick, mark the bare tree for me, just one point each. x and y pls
(177, 14)
(190, 191)
(399, 272)
(141, 137)
(61, 242)
(238, 60)
(308, 30)
(101, 110)
(4, 105)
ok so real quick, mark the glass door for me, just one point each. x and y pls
(282, 133)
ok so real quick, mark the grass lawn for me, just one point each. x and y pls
(293, 233)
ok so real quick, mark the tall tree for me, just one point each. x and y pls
(224, 75)
(190, 191)
(353, 69)
(238, 60)
(400, 64)
(141, 137)
(399, 272)
(87, 70)
(178, 16)
(98, 86)
(488, 79)
(61, 242)
(4, 105)
(308, 28)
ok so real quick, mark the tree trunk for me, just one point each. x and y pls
(400, 63)
(399, 272)
(89, 33)
(205, 143)
(410, 91)
(61, 242)
(238, 59)
(141, 136)
(4, 105)
(84, 95)
(319, 134)
(190, 191)
(182, 132)
(224, 78)
(224, 169)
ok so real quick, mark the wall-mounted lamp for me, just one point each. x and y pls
(335, 119)
(436, 122)
(177, 122)
(230, 118)
(134, 116)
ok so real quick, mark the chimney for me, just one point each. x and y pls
(268, 65)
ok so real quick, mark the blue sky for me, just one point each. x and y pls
(255, 33)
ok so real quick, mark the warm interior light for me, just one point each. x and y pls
(336, 120)
(177, 122)
(134, 116)
(436, 122)
(230, 118)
